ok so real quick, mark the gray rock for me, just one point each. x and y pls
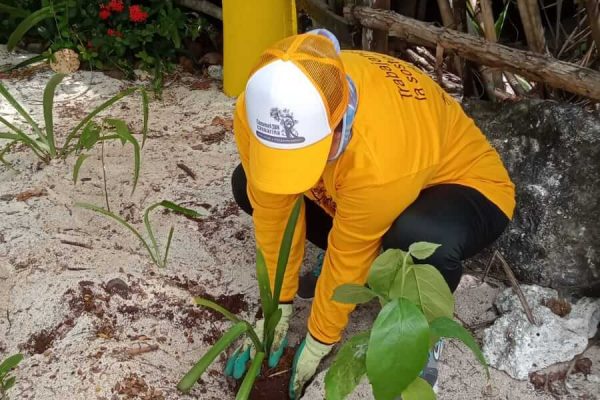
(507, 300)
(552, 152)
(517, 347)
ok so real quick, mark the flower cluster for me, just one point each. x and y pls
(136, 12)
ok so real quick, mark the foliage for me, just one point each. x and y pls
(152, 247)
(6, 381)
(417, 310)
(123, 34)
(271, 313)
(43, 142)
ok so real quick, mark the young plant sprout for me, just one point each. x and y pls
(417, 310)
(6, 381)
(83, 137)
(272, 315)
(152, 247)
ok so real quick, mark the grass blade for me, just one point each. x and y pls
(32, 20)
(499, 24)
(97, 111)
(24, 63)
(9, 136)
(5, 150)
(182, 210)
(145, 111)
(214, 306)
(150, 232)
(38, 148)
(125, 135)
(13, 102)
(168, 246)
(13, 11)
(264, 286)
(48, 107)
(196, 372)
(77, 166)
(250, 377)
(119, 220)
(284, 250)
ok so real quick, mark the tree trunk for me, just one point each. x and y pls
(538, 67)
(203, 6)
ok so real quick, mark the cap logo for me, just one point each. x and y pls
(282, 133)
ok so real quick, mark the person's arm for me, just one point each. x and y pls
(270, 216)
(362, 217)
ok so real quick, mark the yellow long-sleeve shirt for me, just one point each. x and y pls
(408, 134)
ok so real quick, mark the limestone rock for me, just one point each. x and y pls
(517, 347)
(552, 153)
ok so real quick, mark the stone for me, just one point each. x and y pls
(517, 347)
(119, 287)
(552, 153)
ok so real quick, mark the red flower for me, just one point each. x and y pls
(90, 45)
(114, 33)
(104, 12)
(137, 14)
(116, 5)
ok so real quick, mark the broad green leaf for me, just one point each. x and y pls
(32, 20)
(422, 250)
(419, 389)
(188, 212)
(425, 287)
(384, 269)
(126, 136)
(10, 382)
(120, 220)
(448, 328)
(352, 293)
(271, 322)
(284, 249)
(398, 348)
(96, 111)
(250, 377)
(264, 285)
(10, 363)
(77, 166)
(348, 368)
(90, 135)
(196, 372)
(48, 102)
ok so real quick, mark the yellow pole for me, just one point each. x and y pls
(249, 27)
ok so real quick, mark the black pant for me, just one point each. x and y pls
(459, 218)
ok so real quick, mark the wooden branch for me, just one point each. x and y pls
(538, 67)
(446, 12)
(489, 31)
(532, 25)
(335, 23)
(375, 40)
(593, 12)
(203, 6)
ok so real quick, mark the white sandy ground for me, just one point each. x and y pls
(48, 286)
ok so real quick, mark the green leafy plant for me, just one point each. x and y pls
(6, 381)
(151, 246)
(82, 137)
(271, 313)
(417, 310)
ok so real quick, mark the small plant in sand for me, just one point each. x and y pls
(417, 310)
(82, 137)
(6, 381)
(158, 257)
(271, 313)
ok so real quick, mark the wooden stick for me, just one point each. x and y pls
(335, 23)
(593, 12)
(538, 67)
(203, 6)
(532, 25)
(375, 40)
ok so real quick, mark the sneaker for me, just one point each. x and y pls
(430, 372)
(308, 281)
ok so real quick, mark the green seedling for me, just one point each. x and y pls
(417, 310)
(151, 246)
(83, 137)
(6, 381)
(271, 312)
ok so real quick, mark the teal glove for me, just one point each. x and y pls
(307, 359)
(238, 362)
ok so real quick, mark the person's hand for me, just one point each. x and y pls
(307, 359)
(237, 363)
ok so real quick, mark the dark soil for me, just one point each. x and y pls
(273, 384)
